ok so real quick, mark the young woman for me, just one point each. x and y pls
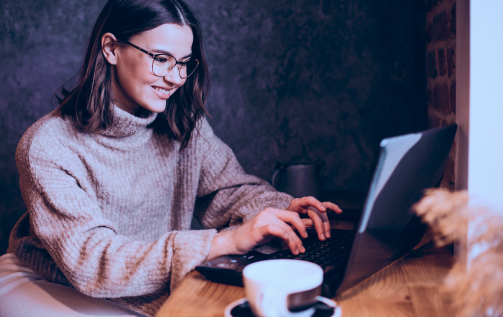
(114, 176)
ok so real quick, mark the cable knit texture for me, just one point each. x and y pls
(109, 213)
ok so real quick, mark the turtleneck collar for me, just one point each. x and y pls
(126, 124)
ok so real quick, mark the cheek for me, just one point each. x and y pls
(135, 78)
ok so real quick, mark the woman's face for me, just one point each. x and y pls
(134, 86)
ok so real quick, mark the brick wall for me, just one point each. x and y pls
(441, 71)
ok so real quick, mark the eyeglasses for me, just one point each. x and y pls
(163, 63)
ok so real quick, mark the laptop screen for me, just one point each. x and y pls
(388, 228)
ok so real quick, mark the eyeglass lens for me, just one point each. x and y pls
(162, 64)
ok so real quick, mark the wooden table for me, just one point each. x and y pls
(408, 287)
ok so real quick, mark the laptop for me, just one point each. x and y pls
(387, 229)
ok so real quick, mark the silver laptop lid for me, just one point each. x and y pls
(388, 229)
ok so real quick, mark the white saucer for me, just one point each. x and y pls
(324, 300)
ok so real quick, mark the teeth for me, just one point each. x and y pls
(161, 90)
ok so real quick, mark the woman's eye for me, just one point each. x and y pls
(161, 59)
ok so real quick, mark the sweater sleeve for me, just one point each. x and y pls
(86, 246)
(226, 194)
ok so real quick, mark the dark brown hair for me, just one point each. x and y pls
(89, 103)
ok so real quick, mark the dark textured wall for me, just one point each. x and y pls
(41, 47)
(292, 79)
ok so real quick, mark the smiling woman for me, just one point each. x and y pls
(139, 88)
(114, 72)
(113, 177)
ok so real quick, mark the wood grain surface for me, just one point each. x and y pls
(408, 287)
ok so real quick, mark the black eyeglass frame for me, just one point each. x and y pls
(154, 56)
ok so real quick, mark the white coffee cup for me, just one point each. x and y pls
(282, 288)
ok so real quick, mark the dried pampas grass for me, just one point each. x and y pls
(475, 287)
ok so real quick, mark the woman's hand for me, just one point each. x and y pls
(266, 225)
(271, 223)
(316, 211)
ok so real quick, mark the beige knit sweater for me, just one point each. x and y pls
(110, 213)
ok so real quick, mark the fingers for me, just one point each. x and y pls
(326, 224)
(301, 204)
(332, 206)
(317, 212)
(285, 233)
(292, 218)
(319, 219)
(305, 202)
(307, 222)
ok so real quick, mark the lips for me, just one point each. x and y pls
(162, 93)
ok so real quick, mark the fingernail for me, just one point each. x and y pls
(322, 236)
(328, 234)
(303, 249)
(296, 250)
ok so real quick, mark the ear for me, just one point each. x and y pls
(109, 47)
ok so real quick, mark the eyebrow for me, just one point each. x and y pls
(166, 52)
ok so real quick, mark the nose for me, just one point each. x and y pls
(173, 76)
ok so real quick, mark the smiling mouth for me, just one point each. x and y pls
(161, 90)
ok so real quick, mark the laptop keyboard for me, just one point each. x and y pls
(323, 253)
(331, 255)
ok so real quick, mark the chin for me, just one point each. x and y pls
(156, 107)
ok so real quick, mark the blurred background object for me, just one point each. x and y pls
(299, 179)
(475, 283)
